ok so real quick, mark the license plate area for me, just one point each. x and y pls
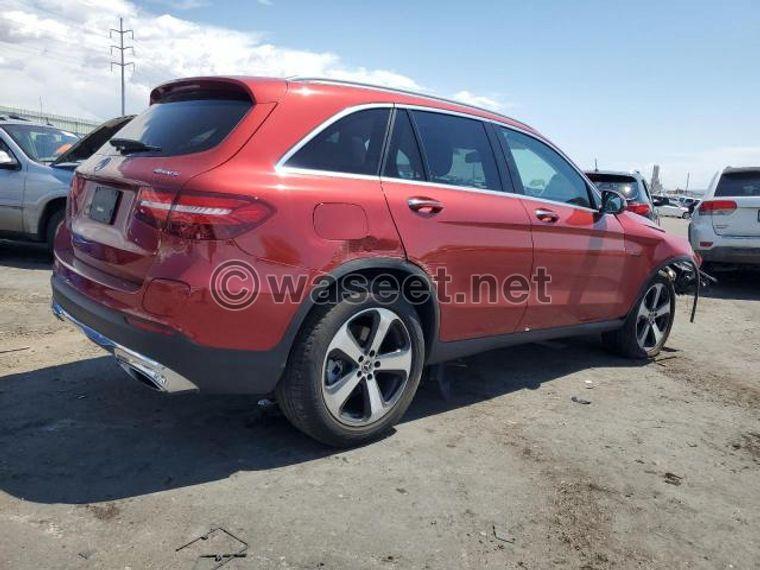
(104, 203)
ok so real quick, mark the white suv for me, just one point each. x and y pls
(725, 229)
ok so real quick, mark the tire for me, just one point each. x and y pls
(51, 229)
(685, 216)
(316, 393)
(627, 341)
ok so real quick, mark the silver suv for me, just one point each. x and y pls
(36, 165)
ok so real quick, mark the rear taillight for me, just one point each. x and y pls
(640, 209)
(717, 207)
(75, 193)
(201, 215)
(152, 207)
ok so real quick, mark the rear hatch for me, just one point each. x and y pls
(121, 196)
(740, 187)
(90, 143)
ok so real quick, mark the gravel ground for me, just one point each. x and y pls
(661, 470)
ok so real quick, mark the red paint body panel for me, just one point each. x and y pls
(321, 222)
(340, 221)
(475, 234)
(584, 254)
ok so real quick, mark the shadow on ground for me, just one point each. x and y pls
(83, 432)
(739, 285)
(24, 255)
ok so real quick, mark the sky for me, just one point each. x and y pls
(629, 85)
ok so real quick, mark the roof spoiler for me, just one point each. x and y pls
(258, 90)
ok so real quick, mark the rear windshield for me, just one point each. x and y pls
(39, 143)
(626, 185)
(739, 184)
(187, 125)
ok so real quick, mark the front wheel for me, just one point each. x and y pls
(685, 216)
(354, 370)
(647, 327)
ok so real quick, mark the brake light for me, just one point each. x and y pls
(201, 215)
(153, 207)
(717, 207)
(640, 209)
(72, 201)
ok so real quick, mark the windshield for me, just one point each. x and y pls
(739, 184)
(187, 126)
(40, 143)
(626, 185)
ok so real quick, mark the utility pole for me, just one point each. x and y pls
(688, 175)
(122, 48)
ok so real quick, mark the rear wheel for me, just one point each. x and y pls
(51, 228)
(354, 370)
(648, 326)
(685, 215)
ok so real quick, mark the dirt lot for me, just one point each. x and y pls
(661, 470)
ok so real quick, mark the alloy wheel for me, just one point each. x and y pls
(366, 367)
(654, 317)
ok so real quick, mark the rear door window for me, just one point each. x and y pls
(738, 184)
(404, 159)
(543, 172)
(189, 124)
(457, 151)
(352, 144)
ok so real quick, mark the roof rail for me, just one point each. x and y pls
(347, 83)
(13, 117)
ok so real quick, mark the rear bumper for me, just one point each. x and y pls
(171, 362)
(722, 248)
(733, 255)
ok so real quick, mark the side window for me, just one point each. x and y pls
(4, 149)
(457, 150)
(543, 172)
(404, 159)
(352, 144)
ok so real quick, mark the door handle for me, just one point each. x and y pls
(424, 205)
(547, 216)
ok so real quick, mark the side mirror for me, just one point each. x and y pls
(7, 162)
(612, 202)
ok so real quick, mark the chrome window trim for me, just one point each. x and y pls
(283, 170)
(500, 193)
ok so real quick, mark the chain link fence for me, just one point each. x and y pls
(73, 124)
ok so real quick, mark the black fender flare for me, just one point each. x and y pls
(355, 266)
(659, 268)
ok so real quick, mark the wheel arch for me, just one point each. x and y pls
(51, 206)
(428, 311)
(669, 266)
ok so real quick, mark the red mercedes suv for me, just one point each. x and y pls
(322, 242)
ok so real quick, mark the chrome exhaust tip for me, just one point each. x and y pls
(138, 366)
(142, 369)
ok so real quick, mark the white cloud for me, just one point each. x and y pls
(182, 4)
(493, 103)
(59, 50)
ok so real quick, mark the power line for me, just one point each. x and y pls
(122, 48)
